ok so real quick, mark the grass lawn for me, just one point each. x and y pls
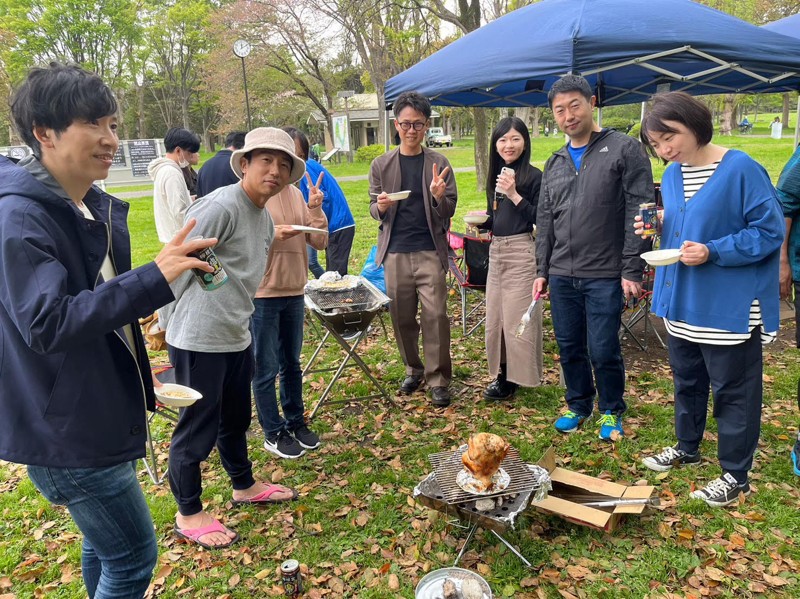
(359, 533)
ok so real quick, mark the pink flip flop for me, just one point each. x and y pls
(192, 535)
(264, 497)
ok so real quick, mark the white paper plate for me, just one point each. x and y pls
(308, 229)
(662, 257)
(430, 587)
(398, 195)
(471, 485)
(476, 219)
(176, 402)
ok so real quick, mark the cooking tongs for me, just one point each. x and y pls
(526, 318)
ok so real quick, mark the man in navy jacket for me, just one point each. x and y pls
(74, 372)
(217, 171)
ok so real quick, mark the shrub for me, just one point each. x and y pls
(634, 132)
(619, 123)
(369, 153)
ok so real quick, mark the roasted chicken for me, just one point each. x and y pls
(484, 456)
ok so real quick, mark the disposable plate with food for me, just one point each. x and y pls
(306, 229)
(662, 257)
(476, 219)
(470, 484)
(431, 586)
(176, 396)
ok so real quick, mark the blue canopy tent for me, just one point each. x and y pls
(789, 26)
(628, 50)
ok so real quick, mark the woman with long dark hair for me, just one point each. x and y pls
(512, 194)
(719, 302)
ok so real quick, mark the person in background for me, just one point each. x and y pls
(279, 316)
(171, 196)
(588, 253)
(412, 245)
(776, 128)
(789, 196)
(75, 377)
(720, 300)
(216, 172)
(341, 224)
(512, 197)
(209, 337)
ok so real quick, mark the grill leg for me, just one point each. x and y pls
(513, 550)
(313, 358)
(470, 534)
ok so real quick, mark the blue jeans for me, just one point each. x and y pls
(277, 341)
(313, 263)
(586, 319)
(107, 504)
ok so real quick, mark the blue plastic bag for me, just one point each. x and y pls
(373, 273)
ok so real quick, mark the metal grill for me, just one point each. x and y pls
(448, 464)
(348, 299)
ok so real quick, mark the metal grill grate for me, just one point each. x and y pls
(448, 464)
(349, 299)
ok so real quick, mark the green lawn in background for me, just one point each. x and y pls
(361, 535)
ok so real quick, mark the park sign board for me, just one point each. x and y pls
(119, 156)
(141, 152)
(341, 133)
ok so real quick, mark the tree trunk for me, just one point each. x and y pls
(728, 114)
(481, 147)
(786, 107)
(142, 129)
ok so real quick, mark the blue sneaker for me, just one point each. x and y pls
(796, 457)
(608, 424)
(569, 422)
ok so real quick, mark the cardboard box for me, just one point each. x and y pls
(571, 483)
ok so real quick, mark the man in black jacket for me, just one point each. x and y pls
(587, 252)
(217, 172)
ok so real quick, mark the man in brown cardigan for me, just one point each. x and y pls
(412, 245)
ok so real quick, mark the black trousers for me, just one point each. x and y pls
(221, 417)
(733, 372)
(337, 254)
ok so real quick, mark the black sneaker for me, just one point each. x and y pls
(499, 390)
(722, 491)
(284, 445)
(306, 437)
(440, 397)
(670, 457)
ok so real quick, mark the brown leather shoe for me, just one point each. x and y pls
(440, 396)
(410, 384)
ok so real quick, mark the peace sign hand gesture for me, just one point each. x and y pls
(315, 194)
(438, 185)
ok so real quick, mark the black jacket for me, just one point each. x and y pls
(216, 173)
(72, 394)
(585, 219)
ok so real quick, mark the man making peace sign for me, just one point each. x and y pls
(412, 245)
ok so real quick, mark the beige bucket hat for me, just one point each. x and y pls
(269, 138)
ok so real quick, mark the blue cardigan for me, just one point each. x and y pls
(737, 215)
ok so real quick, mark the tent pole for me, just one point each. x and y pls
(641, 116)
(797, 124)
(600, 116)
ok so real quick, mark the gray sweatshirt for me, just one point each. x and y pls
(218, 321)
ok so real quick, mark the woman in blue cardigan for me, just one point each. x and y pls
(720, 300)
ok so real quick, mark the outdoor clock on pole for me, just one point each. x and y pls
(241, 48)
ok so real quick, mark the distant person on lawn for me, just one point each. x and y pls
(74, 376)
(789, 196)
(720, 301)
(588, 254)
(216, 172)
(209, 336)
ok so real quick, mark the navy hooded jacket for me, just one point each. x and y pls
(72, 393)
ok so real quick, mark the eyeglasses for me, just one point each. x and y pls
(406, 125)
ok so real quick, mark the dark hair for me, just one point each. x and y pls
(413, 100)
(567, 84)
(56, 96)
(235, 140)
(681, 108)
(178, 137)
(295, 133)
(520, 165)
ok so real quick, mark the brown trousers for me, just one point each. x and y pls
(418, 279)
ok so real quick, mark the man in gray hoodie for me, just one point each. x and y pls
(588, 253)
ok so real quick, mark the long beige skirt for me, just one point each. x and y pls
(512, 269)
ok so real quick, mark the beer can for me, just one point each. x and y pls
(209, 280)
(291, 578)
(649, 214)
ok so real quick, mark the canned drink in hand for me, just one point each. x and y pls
(209, 280)
(291, 578)
(649, 214)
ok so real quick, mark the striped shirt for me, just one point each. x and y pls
(694, 177)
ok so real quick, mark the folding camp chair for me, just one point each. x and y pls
(165, 374)
(638, 310)
(468, 261)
